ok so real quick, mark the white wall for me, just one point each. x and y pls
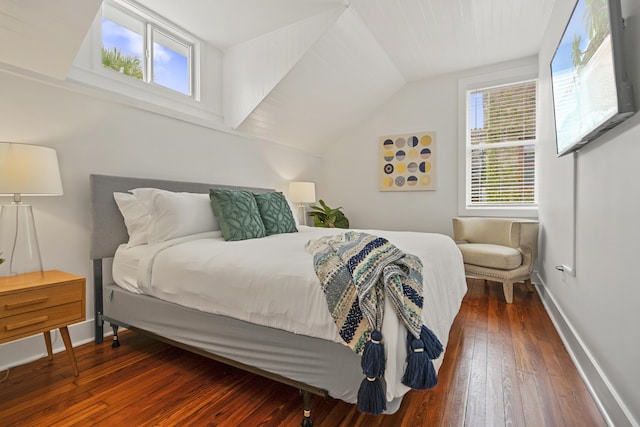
(96, 136)
(597, 310)
(350, 176)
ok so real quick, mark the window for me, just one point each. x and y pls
(142, 48)
(500, 147)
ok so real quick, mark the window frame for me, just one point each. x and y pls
(485, 81)
(152, 29)
(152, 23)
(88, 76)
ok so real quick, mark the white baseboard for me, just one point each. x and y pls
(25, 350)
(613, 410)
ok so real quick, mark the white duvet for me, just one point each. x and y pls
(271, 281)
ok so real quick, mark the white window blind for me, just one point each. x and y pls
(501, 146)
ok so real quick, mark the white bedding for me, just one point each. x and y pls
(271, 281)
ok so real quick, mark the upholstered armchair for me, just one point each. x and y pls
(498, 249)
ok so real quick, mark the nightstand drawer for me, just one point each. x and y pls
(22, 325)
(36, 299)
(39, 301)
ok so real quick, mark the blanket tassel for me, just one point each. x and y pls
(432, 344)
(372, 361)
(371, 395)
(419, 373)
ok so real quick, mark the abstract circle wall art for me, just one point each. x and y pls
(407, 162)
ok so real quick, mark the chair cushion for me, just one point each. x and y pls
(491, 256)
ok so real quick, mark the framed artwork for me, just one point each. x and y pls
(407, 162)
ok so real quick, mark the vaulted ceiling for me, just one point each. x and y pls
(44, 36)
(372, 49)
(342, 59)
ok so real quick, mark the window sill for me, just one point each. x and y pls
(154, 99)
(514, 212)
(135, 92)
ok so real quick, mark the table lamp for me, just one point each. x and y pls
(302, 193)
(25, 170)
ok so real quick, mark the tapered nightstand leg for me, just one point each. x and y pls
(47, 342)
(67, 343)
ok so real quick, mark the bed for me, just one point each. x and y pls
(159, 288)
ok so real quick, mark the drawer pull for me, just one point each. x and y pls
(34, 321)
(18, 304)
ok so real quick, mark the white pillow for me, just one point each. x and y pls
(176, 214)
(136, 218)
(295, 210)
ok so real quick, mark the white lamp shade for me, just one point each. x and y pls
(302, 192)
(29, 170)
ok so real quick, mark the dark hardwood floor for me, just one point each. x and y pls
(504, 365)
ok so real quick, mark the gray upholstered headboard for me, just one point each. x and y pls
(107, 225)
(108, 230)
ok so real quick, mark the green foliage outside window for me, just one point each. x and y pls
(126, 64)
(505, 175)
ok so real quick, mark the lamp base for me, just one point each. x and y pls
(18, 240)
(302, 212)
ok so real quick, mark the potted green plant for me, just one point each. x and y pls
(324, 216)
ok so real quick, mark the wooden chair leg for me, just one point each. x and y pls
(507, 287)
(529, 285)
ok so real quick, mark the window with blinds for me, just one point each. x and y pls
(501, 146)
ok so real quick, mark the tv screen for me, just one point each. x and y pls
(590, 95)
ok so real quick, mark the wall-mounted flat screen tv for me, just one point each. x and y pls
(590, 91)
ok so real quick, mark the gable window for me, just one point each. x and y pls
(135, 45)
(500, 147)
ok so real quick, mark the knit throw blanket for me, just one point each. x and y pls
(357, 271)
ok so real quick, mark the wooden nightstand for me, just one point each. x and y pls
(38, 302)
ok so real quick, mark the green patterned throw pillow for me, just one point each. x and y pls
(275, 213)
(237, 213)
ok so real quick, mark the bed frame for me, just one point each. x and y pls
(108, 232)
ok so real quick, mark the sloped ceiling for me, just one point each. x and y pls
(424, 38)
(225, 23)
(44, 36)
(253, 68)
(374, 48)
(333, 87)
(361, 53)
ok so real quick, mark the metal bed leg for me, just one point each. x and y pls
(115, 342)
(98, 303)
(306, 421)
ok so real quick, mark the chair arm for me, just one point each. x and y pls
(528, 243)
(528, 257)
(458, 230)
